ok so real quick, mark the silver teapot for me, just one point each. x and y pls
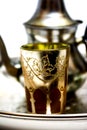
(52, 23)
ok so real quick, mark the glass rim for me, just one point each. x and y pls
(45, 46)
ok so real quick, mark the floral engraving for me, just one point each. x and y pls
(43, 68)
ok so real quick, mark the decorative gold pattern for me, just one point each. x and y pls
(43, 67)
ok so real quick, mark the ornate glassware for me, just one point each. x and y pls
(45, 76)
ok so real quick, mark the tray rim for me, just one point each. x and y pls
(52, 117)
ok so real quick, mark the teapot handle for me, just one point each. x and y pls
(79, 59)
(83, 40)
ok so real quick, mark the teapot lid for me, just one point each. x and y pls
(51, 16)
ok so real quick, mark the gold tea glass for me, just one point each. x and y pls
(44, 68)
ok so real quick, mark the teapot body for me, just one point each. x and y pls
(77, 64)
(63, 34)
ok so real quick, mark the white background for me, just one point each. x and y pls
(14, 13)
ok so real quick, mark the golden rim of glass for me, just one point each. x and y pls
(44, 46)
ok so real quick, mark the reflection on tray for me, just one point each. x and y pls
(12, 96)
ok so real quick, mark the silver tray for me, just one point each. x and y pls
(14, 115)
